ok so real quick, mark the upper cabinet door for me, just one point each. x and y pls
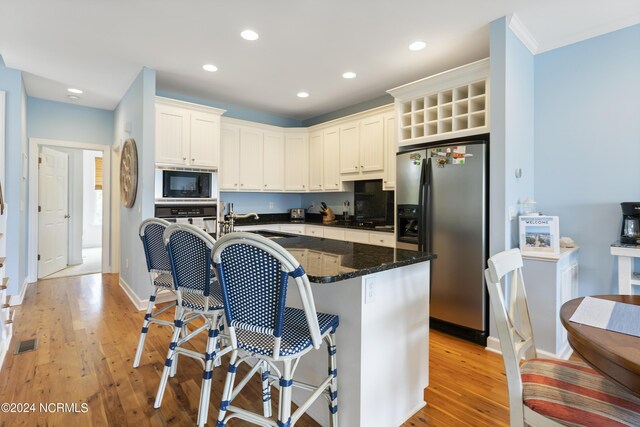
(331, 159)
(229, 174)
(205, 131)
(172, 135)
(371, 144)
(315, 161)
(273, 162)
(250, 159)
(390, 137)
(296, 161)
(349, 148)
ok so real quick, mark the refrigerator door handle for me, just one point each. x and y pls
(426, 204)
(424, 179)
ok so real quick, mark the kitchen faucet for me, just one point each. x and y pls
(231, 216)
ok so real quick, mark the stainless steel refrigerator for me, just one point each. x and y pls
(442, 207)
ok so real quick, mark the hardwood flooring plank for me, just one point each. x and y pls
(88, 332)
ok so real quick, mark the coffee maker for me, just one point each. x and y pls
(630, 232)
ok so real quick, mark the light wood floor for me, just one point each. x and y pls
(88, 331)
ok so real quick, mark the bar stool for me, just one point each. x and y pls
(151, 231)
(253, 272)
(199, 297)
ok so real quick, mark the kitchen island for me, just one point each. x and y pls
(382, 297)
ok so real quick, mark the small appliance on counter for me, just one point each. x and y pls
(296, 215)
(630, 232)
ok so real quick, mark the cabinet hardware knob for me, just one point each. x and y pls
(362, 166)
(241, 185)
(385, 182)
(193, 160)
(184, 158)
(302, 185)
(67, 216)
(235, 185)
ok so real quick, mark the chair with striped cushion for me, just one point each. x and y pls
(547, 392)
(151, 231)
(253, 272)
(199, 297)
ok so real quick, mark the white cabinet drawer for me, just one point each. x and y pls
(292, 228)
(313, 230)
(356, 236)
(382, 239)
(334, 233)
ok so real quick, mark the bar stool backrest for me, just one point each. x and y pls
(151, 231)
(189, 251)
(253, 272)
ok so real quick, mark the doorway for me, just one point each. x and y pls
(80, 211)
(69, 194)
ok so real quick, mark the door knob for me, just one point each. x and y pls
(67, 216)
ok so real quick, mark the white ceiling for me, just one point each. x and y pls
(304, 45)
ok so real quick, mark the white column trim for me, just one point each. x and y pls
(523, 33)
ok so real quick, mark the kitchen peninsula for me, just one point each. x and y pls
(382, 297)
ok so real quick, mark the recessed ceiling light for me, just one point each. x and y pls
(303, 95)
(249, 35)
(210, 68)
(349, 75)
(419, 45)
(73, 97)
(74, 90)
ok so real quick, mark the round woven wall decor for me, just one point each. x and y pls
(128, 173)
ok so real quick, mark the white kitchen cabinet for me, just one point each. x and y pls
(316, 154)
(331, 264)
(301, 256)
(314, 230)
(314, 261)
(372, 144)
(292, 228)
(390, 132)
(273, 162)
(382, 239)
(251, 158)
(356, 236)
(296, 161)
(550, 281)
(333, 233)
(229, 173)
(350, 148)
(451, 104)
(187, 134)
(362, 148)
(331, 159)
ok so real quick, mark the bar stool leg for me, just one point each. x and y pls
(333, 385)
(284, 410)
(210, 356)
(228, 388)
(145, 327)
(183, 333)
(170, 356)
(266, 389)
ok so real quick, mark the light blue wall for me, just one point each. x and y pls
(237, 112)
(136, 112)
(260, 202)
(587, 139)
(512, 132)
(333, 200)
(67, 122)
(14, 187)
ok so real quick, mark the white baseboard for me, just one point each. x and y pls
(141, 304)
(493, 344)
(17, 299)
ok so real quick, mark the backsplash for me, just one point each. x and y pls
(282, 202)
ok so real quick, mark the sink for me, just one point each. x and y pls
(273, 235)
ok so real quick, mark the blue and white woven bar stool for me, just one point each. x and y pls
(253, 273)
(151, 231)
(199, 296)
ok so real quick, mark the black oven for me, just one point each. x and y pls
(186, 184)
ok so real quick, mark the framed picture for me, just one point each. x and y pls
(540, 234)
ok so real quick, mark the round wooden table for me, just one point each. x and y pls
(615, 355)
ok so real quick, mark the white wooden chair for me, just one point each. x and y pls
(546, 392)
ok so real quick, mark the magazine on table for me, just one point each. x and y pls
(540, 234)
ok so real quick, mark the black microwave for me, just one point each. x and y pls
(186, 184)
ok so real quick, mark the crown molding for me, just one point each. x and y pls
(518, 28)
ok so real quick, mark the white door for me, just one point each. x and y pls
(205, 129)
(331, 159)
(273, 162)
(172, 133)
(53, 207)
(297, 162)
(250, 159)
(371, 144)
(315, 161)
(349, 148)
(229, 157)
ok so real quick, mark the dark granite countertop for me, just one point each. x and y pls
(328, 261)
(313, 219)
